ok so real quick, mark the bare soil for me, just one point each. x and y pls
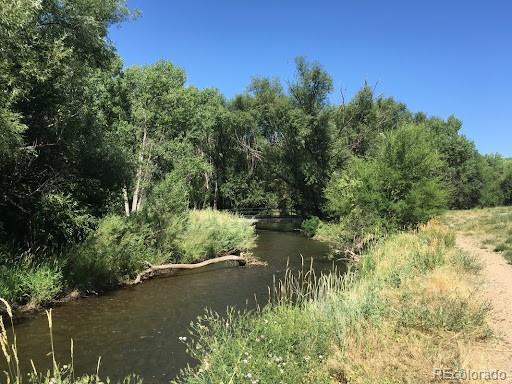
(496, 284)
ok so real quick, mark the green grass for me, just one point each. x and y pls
(409, 305)
(118, 249)
(406, 305)
(28, 284)
(209, 233)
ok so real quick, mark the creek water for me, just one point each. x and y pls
(136, 329)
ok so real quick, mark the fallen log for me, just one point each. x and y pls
(156, 270)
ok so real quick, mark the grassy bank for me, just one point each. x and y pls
(409, 307)
(492, 225)
(117, 250)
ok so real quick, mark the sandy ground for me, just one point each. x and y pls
(496, 284)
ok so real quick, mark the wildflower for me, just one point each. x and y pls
(182, 339)
(249, 375)
(245, 361)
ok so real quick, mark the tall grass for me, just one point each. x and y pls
(30, 284)
(402, 311)
(409, 306)
(118, 249)
(211, 233)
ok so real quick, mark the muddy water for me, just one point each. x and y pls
(136, 329)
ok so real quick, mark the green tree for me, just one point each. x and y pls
(52, 53)
(399, 185)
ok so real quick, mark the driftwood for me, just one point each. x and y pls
(156, 270)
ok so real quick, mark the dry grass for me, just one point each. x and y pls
(434, 316)
(492, 226)
(411, 306)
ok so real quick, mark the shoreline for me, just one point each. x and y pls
(23, 311)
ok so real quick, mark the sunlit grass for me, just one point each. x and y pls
(211, 233)
(408, 306)
(492, 226)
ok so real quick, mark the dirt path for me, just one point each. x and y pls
(497, 286)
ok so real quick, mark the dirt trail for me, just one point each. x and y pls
(497, 287)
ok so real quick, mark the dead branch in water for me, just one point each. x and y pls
(157, 270)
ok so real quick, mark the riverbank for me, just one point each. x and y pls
(139, 326)
(410, 307)
(117, 253)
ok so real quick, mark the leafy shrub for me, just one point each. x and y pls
(500, 247)
(310, 225)
(24, 283)
(399, 186)
(61, 220)
(43, 283)
(11, 283)
(210, 233)
(115, 251)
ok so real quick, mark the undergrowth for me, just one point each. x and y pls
(408, 307)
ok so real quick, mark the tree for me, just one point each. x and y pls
(52, 53)
(399, 185)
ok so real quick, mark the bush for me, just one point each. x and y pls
(11, 283)
(211, 233)
(399, 186)
(310, 226)
(24, 283)
(60, 221)
(43, 283)
(114, 252)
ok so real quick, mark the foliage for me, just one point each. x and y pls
(310, 225)
(27, 283)
(51, 110)
(209, 233)
(61, 220)
(113, 253)
(493, 172)
(406, 305)
(399, 186)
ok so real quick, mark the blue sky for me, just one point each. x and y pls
(441, 57)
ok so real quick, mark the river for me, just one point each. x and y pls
(136, 329)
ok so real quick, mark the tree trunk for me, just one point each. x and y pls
(157, 270)
(126, 202)
(138, 180)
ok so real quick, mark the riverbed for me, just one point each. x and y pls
(137, 329)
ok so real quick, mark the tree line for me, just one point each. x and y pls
(82, 138)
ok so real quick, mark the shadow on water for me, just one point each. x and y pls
(136, 329)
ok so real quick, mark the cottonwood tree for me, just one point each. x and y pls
(52, 52)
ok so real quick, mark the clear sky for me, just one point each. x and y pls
(442, 57)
